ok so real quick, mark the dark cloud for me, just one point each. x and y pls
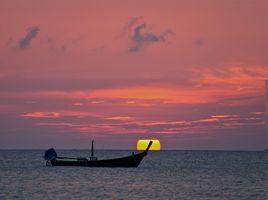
(140, 39)
(32, 32)
(127, 29)
(69, 85)
(62, 46)
(133, 21)
(199, 43)
(55, 46)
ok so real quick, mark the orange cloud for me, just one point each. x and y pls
(121, 118)
(129, 125)
(236, 74)
(42, 115)
(241, 80)
(165, 94)
(59, 114)
(209, 85)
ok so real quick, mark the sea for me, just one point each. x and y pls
(163, 175)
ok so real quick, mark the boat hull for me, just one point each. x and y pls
(129, 161)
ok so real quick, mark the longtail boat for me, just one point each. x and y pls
(133, 160)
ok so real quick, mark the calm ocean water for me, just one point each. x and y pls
(162, 175)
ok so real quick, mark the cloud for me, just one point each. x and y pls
(42, 115)
(127, 29)
(121, 118)
(55, 44)
(201, 125)
(199, 42)
(32, 32)
(266, 91)
(134, 21)
(69, 85)
(140, 39)
(58, 114)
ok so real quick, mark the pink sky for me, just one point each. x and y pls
(189, 73)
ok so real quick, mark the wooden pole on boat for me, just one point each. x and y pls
(149, 145)
(92, 148)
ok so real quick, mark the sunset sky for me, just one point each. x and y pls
(189, 73)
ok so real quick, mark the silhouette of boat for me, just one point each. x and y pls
(128, 161)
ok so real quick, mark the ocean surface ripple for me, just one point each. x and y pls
(185, 175)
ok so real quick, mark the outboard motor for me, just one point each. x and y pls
(50, 154)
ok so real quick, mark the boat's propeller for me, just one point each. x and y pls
(50, 154)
